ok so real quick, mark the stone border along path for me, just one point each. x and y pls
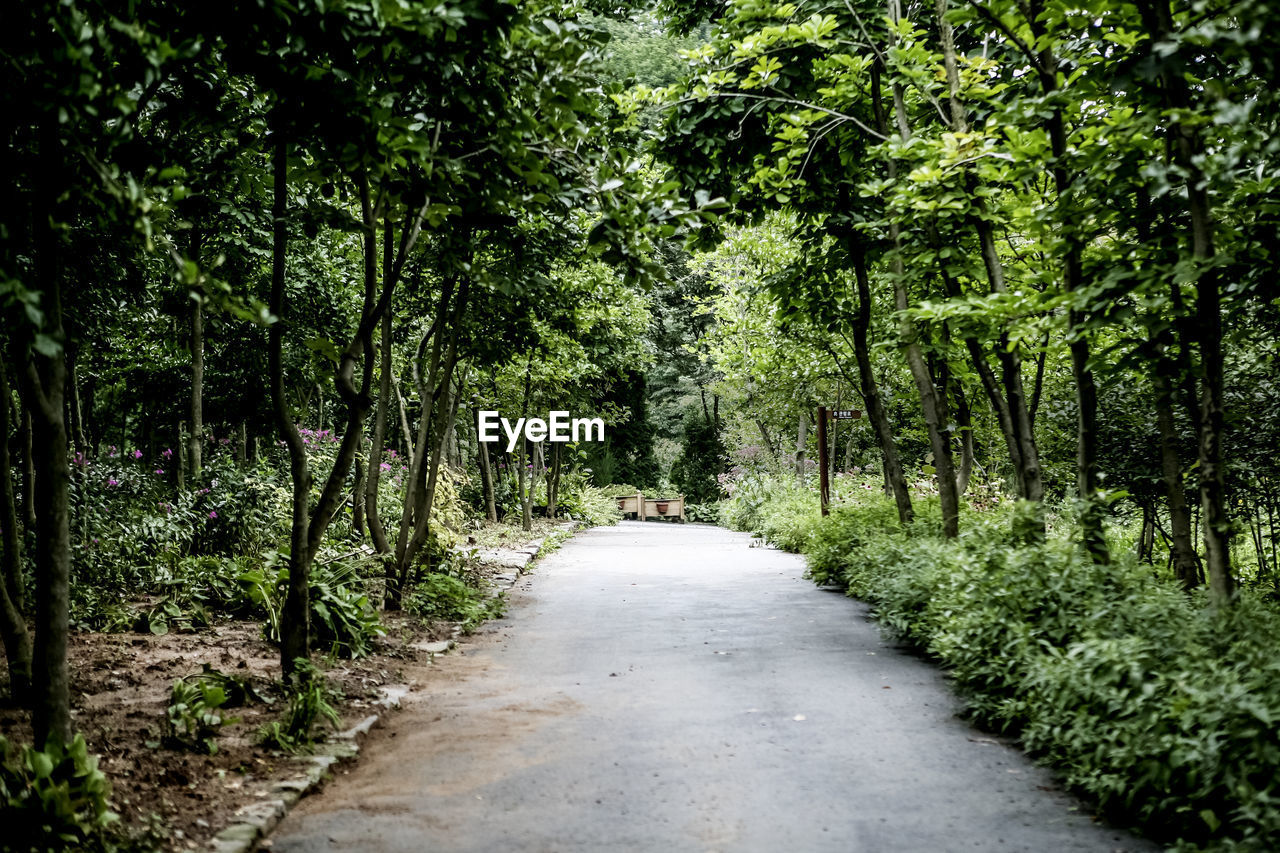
(255, 821)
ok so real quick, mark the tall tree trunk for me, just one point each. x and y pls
(195, 439)
(13, 627)
(802, 445)
(871, 397)
(1014, 412)
(43, 384)
(485, 465)
(415, 483)
(524, 484)
(1187, 149)
(357, 496)
(377, 531)
(908, 335)
(73, 400)
(964, 425)
(553, 482)
(178, 461)
(1186, 563)
(439, 409)
(295, 616)
(29, 466)
(1087, 480)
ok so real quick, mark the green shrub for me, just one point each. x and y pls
(194, 715)
(846, 529)
(708, 513)
(342, 616)
(451, 599)
(53, 800)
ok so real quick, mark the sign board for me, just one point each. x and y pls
(846, 414)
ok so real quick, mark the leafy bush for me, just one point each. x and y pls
(309, 704)
(55, 799)
(708, 513)
(578, 499)
(1159, 708)
(194, 715)
(451, 599)
(342, 616)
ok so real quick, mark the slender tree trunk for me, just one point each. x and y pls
(802, 444)
(1087, 480)
(43, 384)
(439, 409)
(241, 446)
(1186, 563)
(357, 496)
(295, 616)
(13, 627)
(377, 531)
(405, 432)
(73, 400)
(524, 485)
(553, 482)
(871, 397)
(909, 342)
(486, 469)
(964, 425)
(195, 439)
(1014, 412)
(415, 483)
(29, 468)
(178, 462)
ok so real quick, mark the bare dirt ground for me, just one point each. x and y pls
(120, 686)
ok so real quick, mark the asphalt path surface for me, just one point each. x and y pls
(660, 687)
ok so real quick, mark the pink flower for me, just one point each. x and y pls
(385, 466)
(167, 453)
(213, 513)
(112, 481)
(159, 470)
(137, 454)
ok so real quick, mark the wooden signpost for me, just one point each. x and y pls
(824, 463)
(824, 485)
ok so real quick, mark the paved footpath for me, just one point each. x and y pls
(658, 687)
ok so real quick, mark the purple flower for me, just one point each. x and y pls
(137, 454)
(159, 470)
(112, 481)
(213, 513)
(167, 453)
